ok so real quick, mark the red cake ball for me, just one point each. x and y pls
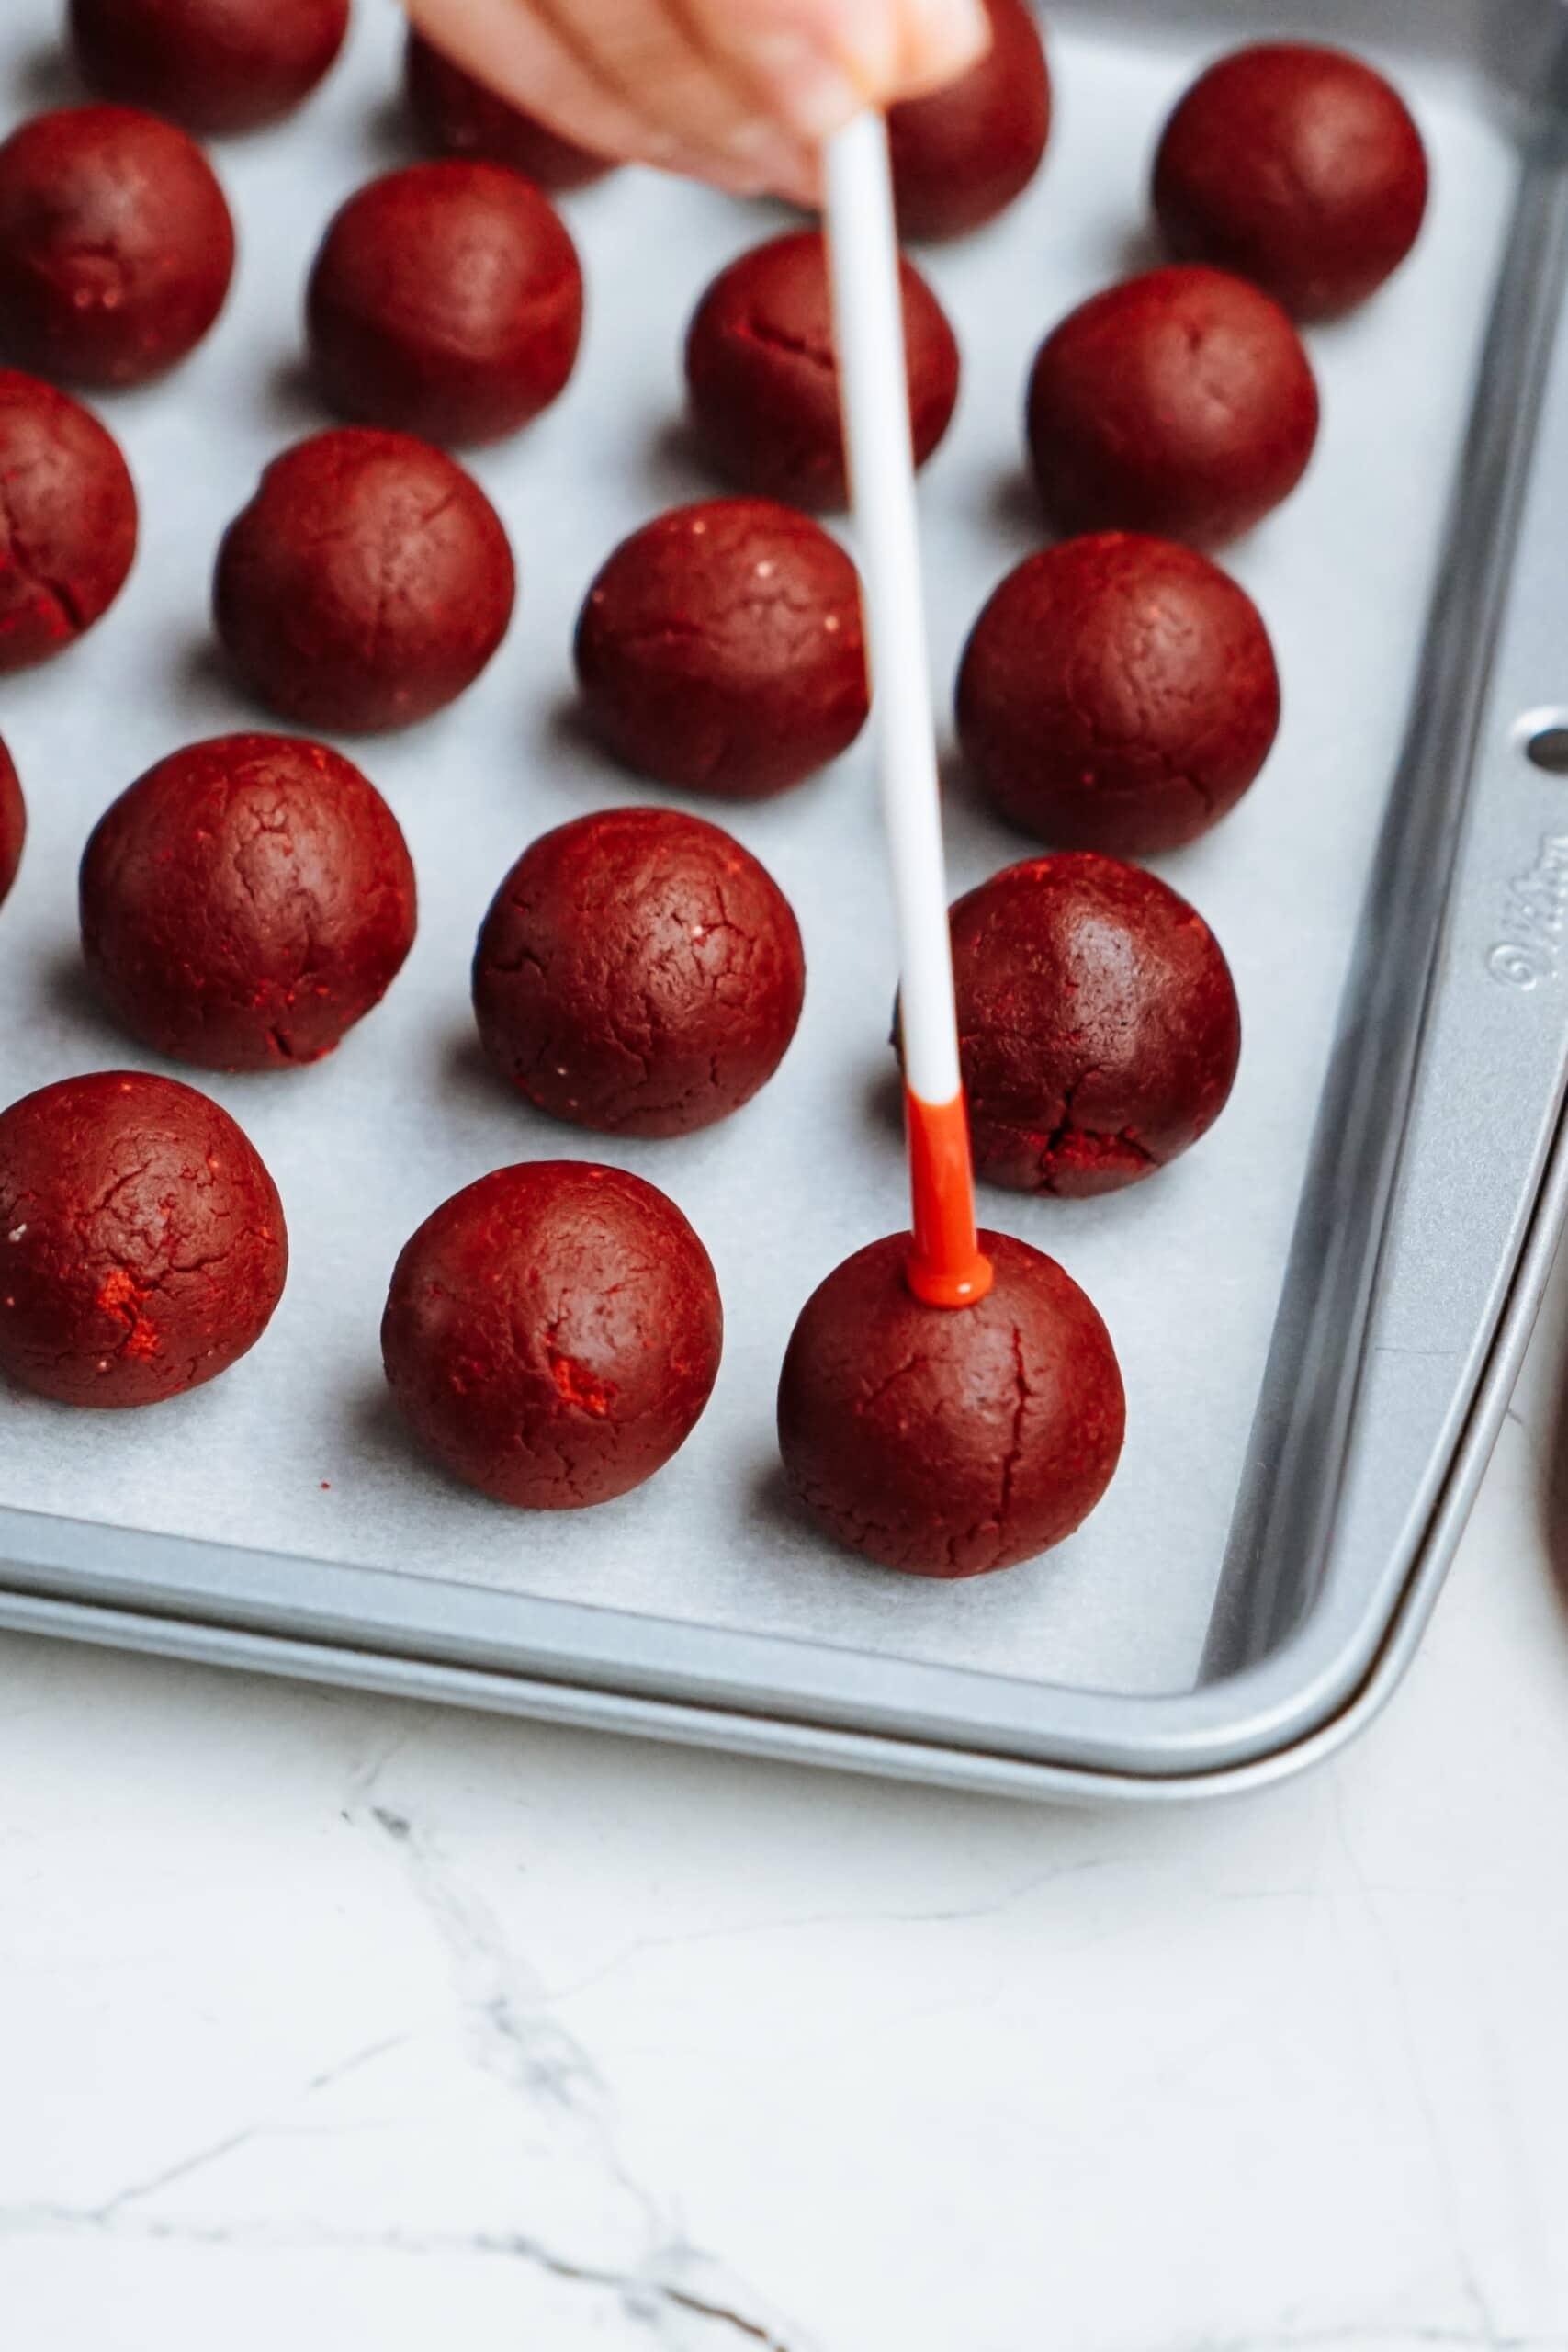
(1295, 166)
(553, 1333)
(1181, 402)
(765, 380)
(13, 822)
(638, 973)
(142, 1246)
(367, 584)
(962, 154)
(1098, 1025)
(948, 1442)
(246, 902)
(67, 521)
(115, 246)
(213, 65)
(720, 649)
(1118, 693)
(445, 300)
(459, 116)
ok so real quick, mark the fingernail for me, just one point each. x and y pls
(946, 37)
(817, 94)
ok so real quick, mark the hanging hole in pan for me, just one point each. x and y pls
(1543, 738)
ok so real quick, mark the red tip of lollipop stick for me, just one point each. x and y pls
(946, 1265)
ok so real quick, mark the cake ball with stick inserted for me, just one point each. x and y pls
(949, 1443)
(950, 1402)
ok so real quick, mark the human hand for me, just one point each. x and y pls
(739, 92)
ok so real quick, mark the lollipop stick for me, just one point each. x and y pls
(946, 1268)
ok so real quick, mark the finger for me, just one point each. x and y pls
(506, 45)
(817, 62)
(652, 53)
(937, 40)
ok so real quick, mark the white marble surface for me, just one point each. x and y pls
(332, 2021)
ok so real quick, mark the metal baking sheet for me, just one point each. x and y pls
(1294, 1421)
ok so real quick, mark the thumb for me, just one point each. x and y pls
(819, 61)
(937, 40)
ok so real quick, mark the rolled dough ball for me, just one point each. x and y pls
(67, 521)
(213, 65)
(366, 585)
(245, 902)
(459, 116)
(765, 380)
(1118, 693)
(638, 973)
(13, 822)
(553, 1333)
(1181, 402)
(720, 649)
(447, 300)
(964, 154)
(950, 1442)
(1298, 167)
(142, 1246)
(1098, 1023)
(115, 246)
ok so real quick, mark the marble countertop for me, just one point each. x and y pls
(333, 2020)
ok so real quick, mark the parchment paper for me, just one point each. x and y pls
(295, 1449)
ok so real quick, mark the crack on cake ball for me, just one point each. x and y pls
(638, 973)
(720, 649)
(943, 1442)
(764, 379)
(68, 520)
(367, 584)
(1099, 1029)
(553, 1333)
(142, 1245)
(1118, 693)
(245, 902)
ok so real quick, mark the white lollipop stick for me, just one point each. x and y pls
(872, 371)
(869, 319)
